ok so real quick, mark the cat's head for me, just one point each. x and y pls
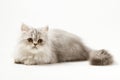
(33, 38)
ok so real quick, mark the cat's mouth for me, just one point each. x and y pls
(34, 47)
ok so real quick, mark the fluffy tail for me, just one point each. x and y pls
(100, 57)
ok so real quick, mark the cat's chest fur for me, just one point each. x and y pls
(40, 56)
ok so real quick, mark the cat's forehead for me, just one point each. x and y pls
(35, 34)
(35, 31)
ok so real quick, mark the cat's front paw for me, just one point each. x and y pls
(16, 61)
(30, 62)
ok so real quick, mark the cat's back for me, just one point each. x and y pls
(61, 34)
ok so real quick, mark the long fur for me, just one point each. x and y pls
(57, 46)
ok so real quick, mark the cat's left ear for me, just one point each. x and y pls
(45, 29)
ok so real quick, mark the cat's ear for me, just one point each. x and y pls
(45, 29)
(24, 28)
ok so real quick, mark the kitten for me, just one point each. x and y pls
(43, 46)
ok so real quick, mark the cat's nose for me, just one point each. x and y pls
(35, 44)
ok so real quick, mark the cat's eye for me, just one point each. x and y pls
(30, 40)
(40, 41)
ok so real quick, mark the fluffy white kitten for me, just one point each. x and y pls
(44, 46)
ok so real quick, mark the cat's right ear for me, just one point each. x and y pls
(24, 28)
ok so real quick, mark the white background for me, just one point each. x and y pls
(97, 22)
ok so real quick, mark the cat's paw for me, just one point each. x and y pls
(16, 61)
(101, 57)
(30, 62)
